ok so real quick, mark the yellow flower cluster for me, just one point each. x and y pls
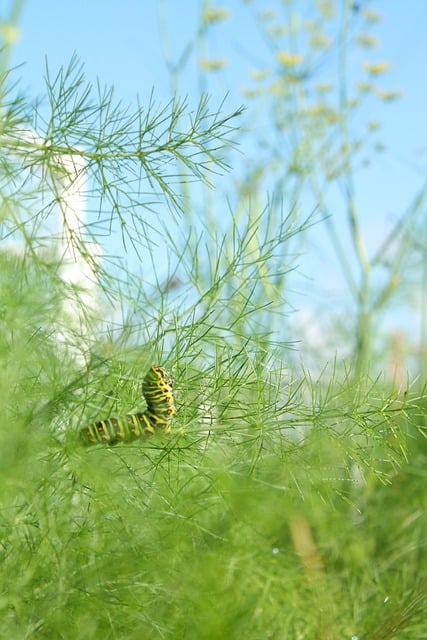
(289, 59)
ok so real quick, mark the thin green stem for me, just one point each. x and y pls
(364, 315)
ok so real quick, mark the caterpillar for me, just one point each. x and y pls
(157, 389)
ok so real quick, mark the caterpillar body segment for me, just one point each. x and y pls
(157, 388)
(113, 430)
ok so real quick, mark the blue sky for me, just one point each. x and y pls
(121, 44)
(124, 43)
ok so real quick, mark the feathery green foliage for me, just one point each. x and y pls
(284, 504)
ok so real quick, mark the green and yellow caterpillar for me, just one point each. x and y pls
(157, 388)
